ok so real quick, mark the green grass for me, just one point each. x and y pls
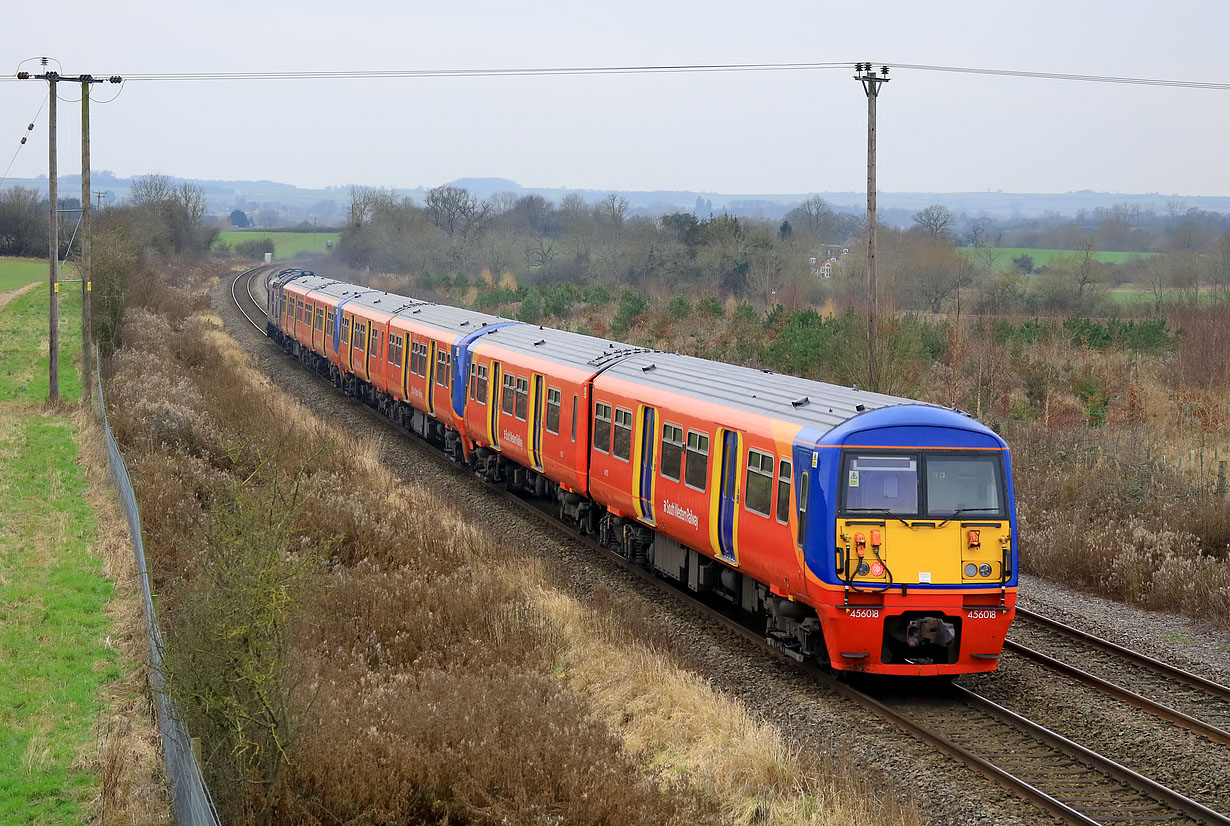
(18, 272)
(52, 592)
(285, 244)
(1003, 255)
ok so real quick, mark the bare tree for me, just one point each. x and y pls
(613, 208)
(936, 220)
(455, 210)
(151, 189)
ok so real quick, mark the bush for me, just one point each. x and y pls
(597, 295)
(711, 306)
(678, 309)
(256, 248)
(632, 305)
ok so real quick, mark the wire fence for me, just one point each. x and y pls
(190, 799)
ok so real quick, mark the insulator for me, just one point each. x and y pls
(23, 75)
(23, 139)
(30, 128)
(115, 79)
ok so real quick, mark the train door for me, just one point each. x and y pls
(430, 396)
(647, 464)
(494, 390)
(728, 496)
(536, 423)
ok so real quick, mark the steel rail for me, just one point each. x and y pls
(1158, 666)
(1128, 696)
(234, 297)
(1027, 791)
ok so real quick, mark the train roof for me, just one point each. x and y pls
(561, 346)
(452, 319)
(788, 398)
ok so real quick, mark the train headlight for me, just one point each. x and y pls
(862, 569)
(971, 569)
(985, 569)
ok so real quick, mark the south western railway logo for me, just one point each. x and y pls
(513, 438)
(682, 514)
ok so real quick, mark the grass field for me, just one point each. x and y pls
(52, 592)
(18, 272)
(285, 244)
(1004, 255)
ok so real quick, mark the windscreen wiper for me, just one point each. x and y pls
(958, 511)
(884, 511)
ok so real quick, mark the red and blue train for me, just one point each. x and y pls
(873, 533)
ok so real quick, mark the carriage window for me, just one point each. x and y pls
(482, 384)
(696, 466)
(360, 335)
(758, 497)
(602, 428)
(375, 342)
(345, 330)
(442, 360)
(523, 398)
(623, 434)
(329, 319)
(395, 350)
(320, 318)
(672, 451)
(574, 417)
(783, 491)
(509, 392)
(802, 506)
(553, 397)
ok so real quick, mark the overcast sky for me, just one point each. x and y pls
(765, 132)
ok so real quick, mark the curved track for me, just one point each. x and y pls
(1061, 777)
(258, 310)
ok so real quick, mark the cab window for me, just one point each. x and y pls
(882, 483)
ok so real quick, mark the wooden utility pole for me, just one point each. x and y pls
(86, 284)
(871, 85)
(53, 243)
(54, 230)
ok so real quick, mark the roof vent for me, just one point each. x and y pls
(540, 341)
(377, 301)
(465, 324)
(854, 387)
(860, 407)
(417, 310)
(800, 401)
(645, 368)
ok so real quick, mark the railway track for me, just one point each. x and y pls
(1187, 700)
(1058, 775)
(257, 308)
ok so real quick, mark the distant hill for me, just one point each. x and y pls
(293, 204)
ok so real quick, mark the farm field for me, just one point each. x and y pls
(285, 244)
(18, 272)
(53, 594)
(1004, 255)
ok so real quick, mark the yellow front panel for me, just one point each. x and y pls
(925, 551)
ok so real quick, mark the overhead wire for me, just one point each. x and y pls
(25, 135)
(682, 68)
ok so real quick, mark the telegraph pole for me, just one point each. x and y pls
(871, 86)
(86, 283)
(53, 243)
(54, 230)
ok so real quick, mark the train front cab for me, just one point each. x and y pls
(914, 551)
